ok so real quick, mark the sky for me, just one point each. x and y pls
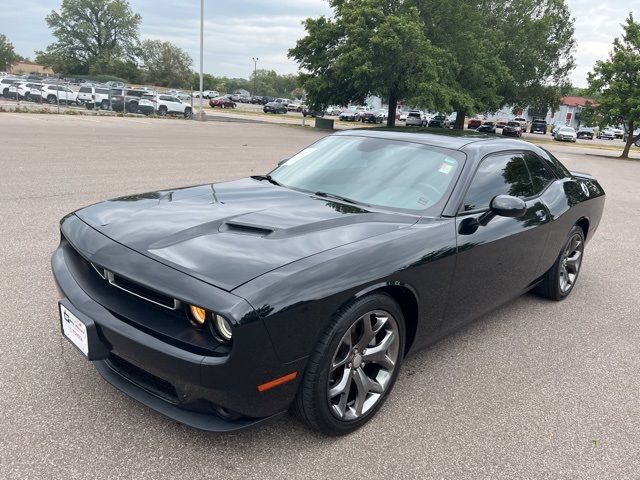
(237, 31)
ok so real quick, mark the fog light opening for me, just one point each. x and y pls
(198, 315)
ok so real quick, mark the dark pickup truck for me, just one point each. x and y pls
(539, 126)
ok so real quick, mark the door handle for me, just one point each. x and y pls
(542, 215)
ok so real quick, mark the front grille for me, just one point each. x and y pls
(155, 385)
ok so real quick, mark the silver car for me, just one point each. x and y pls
(566, 134)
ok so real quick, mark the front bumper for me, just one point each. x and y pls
(209, 392)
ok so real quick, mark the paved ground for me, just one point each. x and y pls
(534, 390)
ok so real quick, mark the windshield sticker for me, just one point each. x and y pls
(445, 168)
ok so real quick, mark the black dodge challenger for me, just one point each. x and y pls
(224, 305)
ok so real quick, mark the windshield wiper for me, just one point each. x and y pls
(338, 197)
(268, 178)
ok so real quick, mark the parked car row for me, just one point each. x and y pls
(100, 96)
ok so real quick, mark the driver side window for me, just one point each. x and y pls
(504, 174)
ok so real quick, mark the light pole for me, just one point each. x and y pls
(255, 69)
(201, 114)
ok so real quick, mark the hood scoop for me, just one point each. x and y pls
(245, 229)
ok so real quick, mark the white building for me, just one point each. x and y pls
(569, 111)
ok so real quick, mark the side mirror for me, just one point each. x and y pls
(504, 206)
(508, 206)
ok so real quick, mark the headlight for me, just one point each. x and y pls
(222, 327)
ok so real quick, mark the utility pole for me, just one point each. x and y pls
(255, 70)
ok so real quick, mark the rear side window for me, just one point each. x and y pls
(558, 168)
(504, 174)
(102, 91)
(541, 175)
(85, 89)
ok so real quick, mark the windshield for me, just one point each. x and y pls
(373, 171)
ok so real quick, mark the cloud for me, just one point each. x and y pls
(237, 31)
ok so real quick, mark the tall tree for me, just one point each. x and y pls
(370, 47)
(616, 81)
(165, 64)
(537, 40)
(8, 55)
(512, 52)
(91, 35)
(467, 31)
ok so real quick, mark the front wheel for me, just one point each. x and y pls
(559, 281)
(353, 367)
(188, 113)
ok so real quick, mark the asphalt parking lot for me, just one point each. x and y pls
(534, 390)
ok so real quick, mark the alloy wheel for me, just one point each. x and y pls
(571, 262)
(363, 365)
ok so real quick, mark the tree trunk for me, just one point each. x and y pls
(630, 141)
(459, 124)
(393, 105)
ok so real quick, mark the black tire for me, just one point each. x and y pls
(52, 99)
(132, 107)
(162, 110)
(104, 105)
(551, 286)
(312, 403)
(188, 113)
(89, 106)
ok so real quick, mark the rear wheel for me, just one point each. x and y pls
(52, 99)
(104, 105)
(132, 107)
(559, 281)
(162, 110)
(188, 113)
(353, 367)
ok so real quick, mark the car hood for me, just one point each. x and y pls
(229, 233)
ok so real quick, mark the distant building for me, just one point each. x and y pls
(243, 92)
(569, 111)
(26, 68)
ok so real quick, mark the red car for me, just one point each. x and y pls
(474, 123)
(222, 102)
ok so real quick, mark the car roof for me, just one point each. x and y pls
(455, 141)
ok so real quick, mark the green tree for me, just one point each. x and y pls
(616, 81)
(537, 39)
(165, 64)
(370, 47)
(91, 35)
(513, 52)
(8, 55)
